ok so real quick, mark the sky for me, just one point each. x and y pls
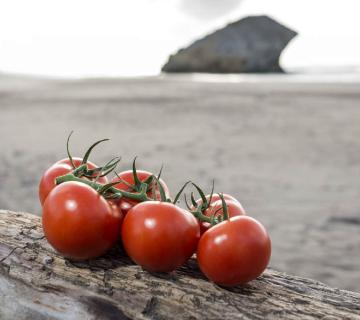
(76, 38)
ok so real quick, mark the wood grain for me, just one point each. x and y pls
(37, 283)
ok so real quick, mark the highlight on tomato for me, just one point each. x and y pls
(79, 222)
(159, 236)
(235, 251)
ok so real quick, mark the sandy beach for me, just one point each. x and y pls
(290, 152)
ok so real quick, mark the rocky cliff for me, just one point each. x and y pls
(252, 44)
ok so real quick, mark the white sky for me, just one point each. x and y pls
(122, 38)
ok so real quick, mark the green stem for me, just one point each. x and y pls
(198, 215)
(68, 150)
(80, 170)
(97, 186)
(224, 207)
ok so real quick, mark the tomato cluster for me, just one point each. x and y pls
(84, 215)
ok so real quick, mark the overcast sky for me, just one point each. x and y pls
(121, 38)
(208, 9)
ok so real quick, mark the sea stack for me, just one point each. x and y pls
(253, 44)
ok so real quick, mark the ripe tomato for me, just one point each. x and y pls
(60, 168)
(216, 197)
(128, 178)
(78, 222)
(234, 208)
(159, 236)
(235, 251)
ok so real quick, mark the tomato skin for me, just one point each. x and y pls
(234, 209)
(159, 236)
(60, 168)
(47, 182)
(77, 162)
(216, 197)
(235, 251)
(78, 222)
(127, 176)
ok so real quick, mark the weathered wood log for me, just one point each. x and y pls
(37, 283)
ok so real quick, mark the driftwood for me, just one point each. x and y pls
(37, 283)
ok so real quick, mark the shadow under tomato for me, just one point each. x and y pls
(114, 258)
(117, 258)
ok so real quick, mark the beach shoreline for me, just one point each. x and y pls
(288, 150)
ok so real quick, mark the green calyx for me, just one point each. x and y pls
(140, 191)
(146, 187)
(83, 169)
(198, 209)
(107, 191)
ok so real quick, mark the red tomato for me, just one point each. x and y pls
(77, 162)
(78, 222)
(235, 251)
(234, 208)
(127, 176)
(159, 236)
(60, 168)
(216, 197)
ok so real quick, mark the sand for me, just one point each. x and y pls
(289, 151)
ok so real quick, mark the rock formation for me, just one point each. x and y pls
(252, 44)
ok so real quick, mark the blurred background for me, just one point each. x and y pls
(286, 144)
